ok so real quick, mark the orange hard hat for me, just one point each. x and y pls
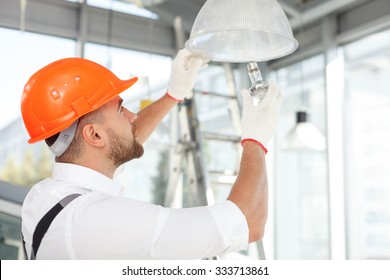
(63, 91)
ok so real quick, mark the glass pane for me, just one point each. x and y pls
(215, 119)
(122, 6)
(367, 124)
(10, 244)
(301, 187)
(22, 54)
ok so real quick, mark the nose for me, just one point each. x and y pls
(131, 116)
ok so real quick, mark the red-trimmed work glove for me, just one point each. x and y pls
(184, 69)
(259, 122)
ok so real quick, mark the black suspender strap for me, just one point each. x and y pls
(46, 221)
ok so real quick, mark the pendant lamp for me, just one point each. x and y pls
(241, 31)
(304, 136)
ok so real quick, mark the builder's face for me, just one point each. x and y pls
(122, 133)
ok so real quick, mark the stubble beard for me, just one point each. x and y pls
(122, 150)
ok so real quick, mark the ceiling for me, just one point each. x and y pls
(299, 12)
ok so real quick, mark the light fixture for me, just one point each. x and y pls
(144, 3)
(22, 24)
(304, 136)
(241, 31)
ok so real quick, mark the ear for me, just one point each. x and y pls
(92, 134)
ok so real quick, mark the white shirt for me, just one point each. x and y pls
(100, 224)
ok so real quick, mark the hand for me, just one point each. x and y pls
(259, 122)
(183, 73)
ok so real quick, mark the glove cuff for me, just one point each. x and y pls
(173, 98)
(256, 142)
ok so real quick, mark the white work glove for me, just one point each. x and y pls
(259, 122)
(183, 74)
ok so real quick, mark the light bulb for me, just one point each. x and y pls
(259, 87)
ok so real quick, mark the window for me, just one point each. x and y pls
(301, 187)
(215, 112)
(367, 125)
(22, 54)
(130, 8)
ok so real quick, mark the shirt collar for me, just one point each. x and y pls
(85, 177)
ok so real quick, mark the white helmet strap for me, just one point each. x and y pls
(64, 139)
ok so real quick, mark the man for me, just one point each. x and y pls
(74, 105)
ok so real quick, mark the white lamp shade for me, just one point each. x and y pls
(241, 31)
(304, 136)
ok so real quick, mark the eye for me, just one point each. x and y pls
(122, 109)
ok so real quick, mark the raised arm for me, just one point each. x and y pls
(250, 190)
(183, 74)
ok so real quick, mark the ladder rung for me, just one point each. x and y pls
(223, 173)
(215, 94)
(221, 137)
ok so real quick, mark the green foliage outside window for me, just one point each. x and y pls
(30, 170)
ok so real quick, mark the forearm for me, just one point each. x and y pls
(150, 117)
(250, 191)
